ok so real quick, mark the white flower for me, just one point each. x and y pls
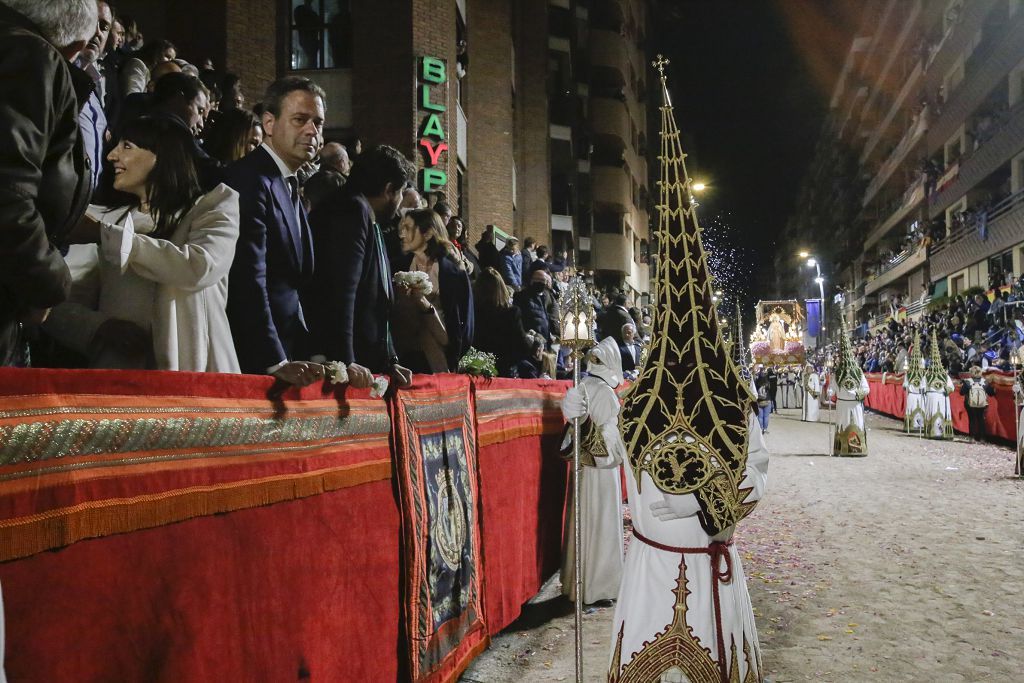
(336, 372)
(416, 280)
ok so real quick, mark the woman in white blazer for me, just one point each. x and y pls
(179, 270)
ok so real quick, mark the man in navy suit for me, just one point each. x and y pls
(274, 255)
(349, 300)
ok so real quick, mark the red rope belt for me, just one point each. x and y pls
(717, 551)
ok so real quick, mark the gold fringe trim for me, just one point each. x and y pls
(488, 437)
(24, 536)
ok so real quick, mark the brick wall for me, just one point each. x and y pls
(533, 206)
(433, 34)
(252, 44)
(490, 130)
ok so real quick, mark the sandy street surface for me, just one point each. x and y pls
(906, 565)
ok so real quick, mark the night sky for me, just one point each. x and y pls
(750, 81)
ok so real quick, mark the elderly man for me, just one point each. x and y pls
(334, 169)
(46, 180)
(630, 350)
(537, 305)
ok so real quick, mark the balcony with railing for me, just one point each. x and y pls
(898, 267)
(997, 55)
(910, 200)
(944, 54)
(610, 118)
(985, 234)
(612, 187)
(608, 49)
(1001, 142)
(897, 156)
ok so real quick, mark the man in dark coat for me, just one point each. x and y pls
(350, 297)
(45, 180)
(538, 307)
(614, 317)
(274, 256)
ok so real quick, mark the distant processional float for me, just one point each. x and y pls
(778, 334)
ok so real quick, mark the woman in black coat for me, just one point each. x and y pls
(500, 324)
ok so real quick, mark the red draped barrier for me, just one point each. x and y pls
(178, 526)
(522, 490)
(887, 396)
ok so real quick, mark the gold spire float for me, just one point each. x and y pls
(685, 420)
(848, 373)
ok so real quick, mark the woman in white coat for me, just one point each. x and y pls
(180, 269)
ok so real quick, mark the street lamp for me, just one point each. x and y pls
(699, 187)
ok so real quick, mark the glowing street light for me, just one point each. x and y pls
(812, 262)
(699, 187)
(803, 254)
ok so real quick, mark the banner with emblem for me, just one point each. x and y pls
(436, 469)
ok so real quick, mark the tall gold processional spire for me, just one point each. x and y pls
(685, 421)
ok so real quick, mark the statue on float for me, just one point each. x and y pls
(696, 466)
(848, 387)
(938, 414)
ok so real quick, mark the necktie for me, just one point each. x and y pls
(293, 186)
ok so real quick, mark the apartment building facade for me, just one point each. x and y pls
(527, 114)
(915, 192)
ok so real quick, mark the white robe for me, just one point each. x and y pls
(647, 600)
(810, 409)
(913, 420)
(850, 407)
(600, 507)
(938, 414)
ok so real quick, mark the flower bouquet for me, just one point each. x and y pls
(417, 282)
(478, 364)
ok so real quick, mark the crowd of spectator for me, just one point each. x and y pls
(972, 331)
(153, 220)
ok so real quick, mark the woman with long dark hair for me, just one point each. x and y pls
(163, 258)
(432, 330)
(235, 133)
(499, 323)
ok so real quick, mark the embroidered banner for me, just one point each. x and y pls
(436, 467)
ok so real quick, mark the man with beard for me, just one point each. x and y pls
(349, 299)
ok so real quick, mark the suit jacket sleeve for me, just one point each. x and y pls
(32, 271)
(252, 323)
(343, 245)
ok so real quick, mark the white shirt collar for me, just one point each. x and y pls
(283, 167)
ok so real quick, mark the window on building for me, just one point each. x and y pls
(461, 59)
(608, 223)
(320, 35)
(1000, 265)
(956, 285)
(1017, 174)
(954, 215)
(954, 148)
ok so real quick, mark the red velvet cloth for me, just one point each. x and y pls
(522, 491)
(257, 595)
(307, 588)
(1000, 417)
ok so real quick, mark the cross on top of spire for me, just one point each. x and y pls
(660, 63)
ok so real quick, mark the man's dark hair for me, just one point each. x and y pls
(173, 184)
(379, 166)
(282, 87)
(151, 51)
(542, 251)
(619, 300)
(529, 242)
(177, 84)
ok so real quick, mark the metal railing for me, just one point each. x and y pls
(974, 220)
